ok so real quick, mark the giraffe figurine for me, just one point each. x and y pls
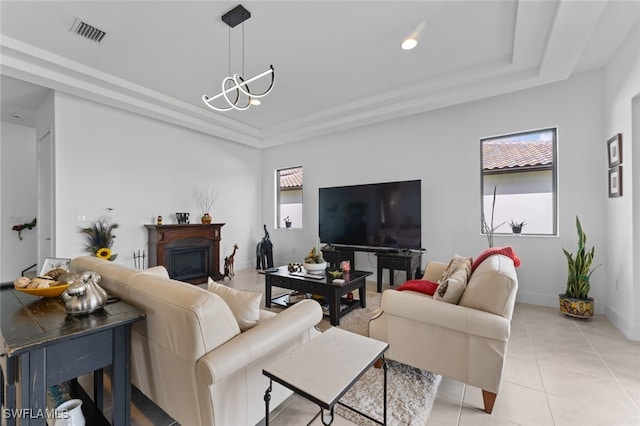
(231, 256)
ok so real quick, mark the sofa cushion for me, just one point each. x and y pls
(506, 251)
(421, 286)
(451, 289)
(492, 286)
(245, 305)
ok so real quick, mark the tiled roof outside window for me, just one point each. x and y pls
(291, 178)
(502, 155)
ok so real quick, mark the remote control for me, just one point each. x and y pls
(314, 276)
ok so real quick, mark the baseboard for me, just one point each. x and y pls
(628, 328)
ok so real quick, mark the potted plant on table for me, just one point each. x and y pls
(287, 222)
(516, 227)
(575, 301)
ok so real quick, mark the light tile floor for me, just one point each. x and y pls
(559, 372)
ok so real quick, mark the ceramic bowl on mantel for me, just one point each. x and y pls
(315, 268)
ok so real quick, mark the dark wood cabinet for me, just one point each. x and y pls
(407, 261)
(190, 252)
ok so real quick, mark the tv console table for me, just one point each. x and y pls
(402, 260)
(408, 261)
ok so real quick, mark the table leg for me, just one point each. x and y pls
(322, 417)
(362, 293)
(9, 386)
(334, 307)
(391, 272)
(98, 389)
(379, 279)
(384, 408)
(267, 292)
(267, 398)
(121, 376)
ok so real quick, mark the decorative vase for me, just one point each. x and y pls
(577, 308)
(206, 218)
(84, 295)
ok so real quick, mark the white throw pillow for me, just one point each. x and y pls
(245, 305)
(451, 289)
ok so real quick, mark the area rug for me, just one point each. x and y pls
(410, 396)
(410, 391)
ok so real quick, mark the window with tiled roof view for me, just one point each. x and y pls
(521, 169)
(289, 197)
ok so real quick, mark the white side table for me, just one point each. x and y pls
(325, 368)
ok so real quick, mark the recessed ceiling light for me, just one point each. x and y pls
(18, 116)
(412, 41)
(409, 43)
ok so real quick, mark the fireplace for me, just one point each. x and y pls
(187, 264)
(190, 252)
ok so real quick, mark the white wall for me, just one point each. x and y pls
(143, 168)
(622, 220)
(442, 148)
(18, 193)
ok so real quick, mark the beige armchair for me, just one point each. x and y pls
(466, 342)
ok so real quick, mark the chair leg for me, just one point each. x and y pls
(489, 399)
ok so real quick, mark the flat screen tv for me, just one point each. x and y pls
(381, 215)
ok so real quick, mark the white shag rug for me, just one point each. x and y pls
(410, 396)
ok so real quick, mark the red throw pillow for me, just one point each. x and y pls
(507, 251)
(421, 286)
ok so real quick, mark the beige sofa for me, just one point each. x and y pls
(189, 356)
(465, 341)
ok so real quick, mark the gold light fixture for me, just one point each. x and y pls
(235, 89)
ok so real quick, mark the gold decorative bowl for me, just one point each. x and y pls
(45, 292)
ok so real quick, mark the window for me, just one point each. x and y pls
(521, 169)
(289, 198)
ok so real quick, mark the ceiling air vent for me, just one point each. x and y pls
(88, 31)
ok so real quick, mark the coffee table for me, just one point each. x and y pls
(325, 368)
(324, 286)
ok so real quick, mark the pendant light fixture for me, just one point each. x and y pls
(235, 89)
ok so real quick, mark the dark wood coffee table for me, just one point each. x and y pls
(333, 293)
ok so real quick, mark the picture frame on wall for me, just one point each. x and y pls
(615, 181)
(614, 148)
(54, 263)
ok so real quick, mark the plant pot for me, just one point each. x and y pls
(516, 229)
(577, 308)
(287, 224)
(206, 218)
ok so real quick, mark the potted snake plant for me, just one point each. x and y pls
(575, 301)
